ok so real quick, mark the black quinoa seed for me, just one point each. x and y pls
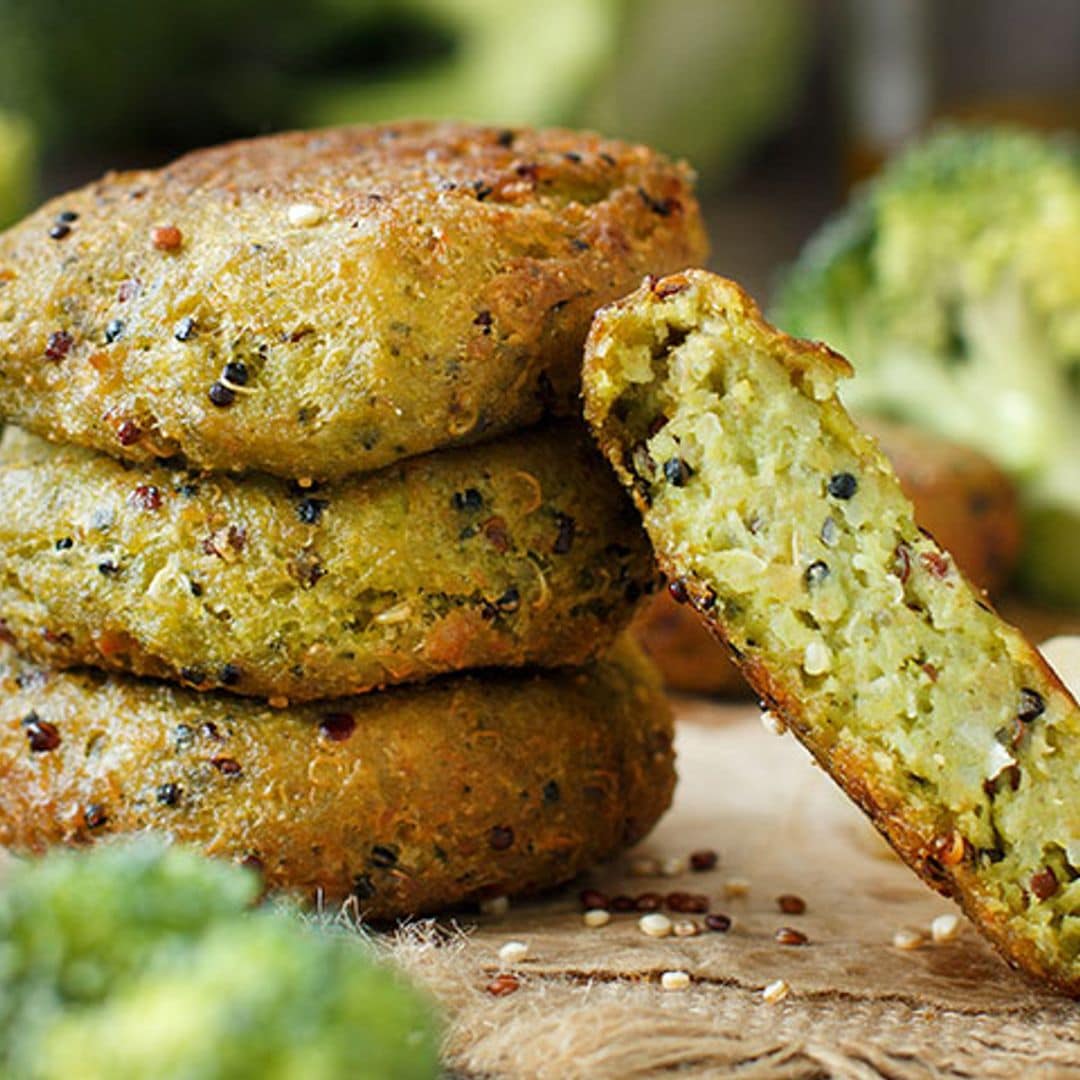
(310, 510)
(842, 485)
(227, 766)
(66, 217)
(469, 499)
(564, 539)
(816, 573)
(94, 816)
(59, 231)
(185, 329)
(168, 794)
(501, 837)
(236, 372)
(677, 472)
(677, 591)
(1032, 705)
(220, 395)
(229, 675)
(551, 792)
(64, 543)
(337, 726)
(114, 331)
(108, 568)
(718, 922)
(509, 602)
(384, 856)
(58, 345)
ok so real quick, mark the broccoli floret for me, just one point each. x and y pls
(133, 960)
(952, 283)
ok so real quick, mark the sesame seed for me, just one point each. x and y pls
(674, 866)
(773, 723)
(513, 952)
(817, 659)
(644, 866)
(675, 980)
(907, 939)
(775, 991)
(685, 928)
(842, 485)
(596, 917)
(655, 925)
(945, 927)
(495, 905)
(221, 395)
(304, 215)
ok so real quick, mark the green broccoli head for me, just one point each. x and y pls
(952, 283)
(135, 959)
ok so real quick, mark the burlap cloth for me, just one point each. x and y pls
(590, 1004)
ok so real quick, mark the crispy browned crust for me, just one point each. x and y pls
(916, 839)
(523, 551)
(436, 289)
(413, 799)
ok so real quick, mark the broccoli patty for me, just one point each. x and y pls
(521, 551)
(318, 304)
(411, 800)
(784, 525)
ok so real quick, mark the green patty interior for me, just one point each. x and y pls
(851, 608)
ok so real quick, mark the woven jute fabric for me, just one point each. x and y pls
(590, 1004)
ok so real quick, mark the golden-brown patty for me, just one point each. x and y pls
(321, 303)
(520, 551)
(413, 799)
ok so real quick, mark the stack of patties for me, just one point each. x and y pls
(299, 564)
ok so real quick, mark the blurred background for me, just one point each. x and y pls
(780, 104)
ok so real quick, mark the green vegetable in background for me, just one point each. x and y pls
(134, 960)
(16, 167)
(952, 283)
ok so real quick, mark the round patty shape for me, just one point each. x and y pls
(316, 304)
(411, 800)
(785, 526)
(521, 551)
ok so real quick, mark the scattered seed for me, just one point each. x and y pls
(718, 923)
(168, 794)
(59, 231)
(501, 837)
(790, 904)
(67, 216)
(42, 735)
(596, 917)
(644, 866)
(648, 901)
(773, 723)
(688, 903)
(95, 816)
(185, 329)
(788, 935)
(655, 925)
(114, 330)
(227, 766)
(593, 898)
(945, 927)
(146, 497)
(842, 485)
(678, 591)
(907, 939)
(513, 952)
(495, 905)
(1032, 705)
(304, 215)
(735, 887)
(502, 985)
(337, 726)
(816, 573)
(685, 928)
(622, 903)
(235, 373)
(674, 866)
(950, 849)
(675, 980)
(58, 345)
(704, 859)
(829, 532)
(776, 991)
